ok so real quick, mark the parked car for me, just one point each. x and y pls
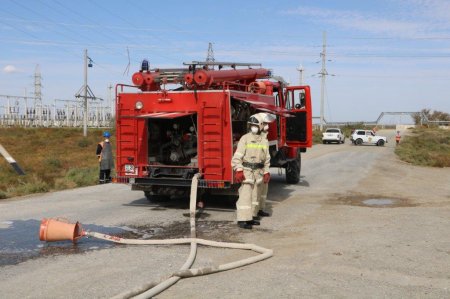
(333, 135)
(367, 137)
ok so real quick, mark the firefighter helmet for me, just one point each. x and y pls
(265, 117)
(253, 120)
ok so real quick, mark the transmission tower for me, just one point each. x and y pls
(37, 83)
(38, 93)
(210, 57)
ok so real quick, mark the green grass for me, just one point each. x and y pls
(52, 158)
(426, 147)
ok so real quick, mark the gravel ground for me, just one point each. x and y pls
(360, 224)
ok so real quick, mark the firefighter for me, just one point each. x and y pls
(105, 158)
(397, 138)
(251, 163)
(265, 119)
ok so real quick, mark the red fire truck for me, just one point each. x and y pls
(165, 136)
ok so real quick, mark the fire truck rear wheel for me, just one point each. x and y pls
(293, 170)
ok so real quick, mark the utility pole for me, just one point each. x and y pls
(323, 73)
(301, 70)
(26, 108)
(85, 116)
(86, 93)
(110, 100)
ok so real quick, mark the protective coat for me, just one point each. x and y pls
(252, 148)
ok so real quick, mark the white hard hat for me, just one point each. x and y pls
(265, 117)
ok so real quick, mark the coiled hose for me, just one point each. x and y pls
(151, 289)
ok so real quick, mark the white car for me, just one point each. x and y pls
(367, 137)
(333, 135)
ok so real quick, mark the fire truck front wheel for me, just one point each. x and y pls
(155, 197)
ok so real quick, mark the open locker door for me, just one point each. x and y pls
(299, 127)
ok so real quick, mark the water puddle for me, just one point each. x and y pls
(372, 201)
(19, 239)
(378, 202)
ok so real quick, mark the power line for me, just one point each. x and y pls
(131, 24)
(36, 38)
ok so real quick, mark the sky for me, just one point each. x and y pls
(382, 56)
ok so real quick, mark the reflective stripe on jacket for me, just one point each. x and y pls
(252, 148)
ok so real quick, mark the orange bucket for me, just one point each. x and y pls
(52, 230)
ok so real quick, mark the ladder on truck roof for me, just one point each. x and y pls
(211, 140)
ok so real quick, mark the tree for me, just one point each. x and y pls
(428, 114)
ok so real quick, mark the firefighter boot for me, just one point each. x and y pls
(245, 224)
(254, 222)
(261, 213)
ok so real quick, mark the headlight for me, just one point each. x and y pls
(139, 105)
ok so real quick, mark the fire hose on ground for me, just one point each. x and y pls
(52, 230)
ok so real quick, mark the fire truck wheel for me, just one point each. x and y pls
(293, 170)
(155, 197)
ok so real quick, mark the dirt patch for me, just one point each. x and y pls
(372, 201)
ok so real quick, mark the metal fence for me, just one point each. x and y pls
(66, 114)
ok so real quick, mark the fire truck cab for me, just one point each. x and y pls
(164, 137)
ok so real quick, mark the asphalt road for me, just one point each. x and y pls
(360, 224)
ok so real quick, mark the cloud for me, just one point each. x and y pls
(365, 22)
(9, 69)
(434, 10)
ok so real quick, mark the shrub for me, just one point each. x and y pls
(53, 163)
(33, 184)
(84, 142)
(426, 147)
(82, 176)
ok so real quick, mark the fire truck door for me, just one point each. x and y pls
(299, 125)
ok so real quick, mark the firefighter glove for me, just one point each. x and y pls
(239, 176)
(266, 178)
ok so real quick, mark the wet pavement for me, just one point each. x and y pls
(19, 239)
(378, 202)
(373, 201)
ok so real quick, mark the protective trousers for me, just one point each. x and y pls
(247, 205)
(263, 190)
(104, 176)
